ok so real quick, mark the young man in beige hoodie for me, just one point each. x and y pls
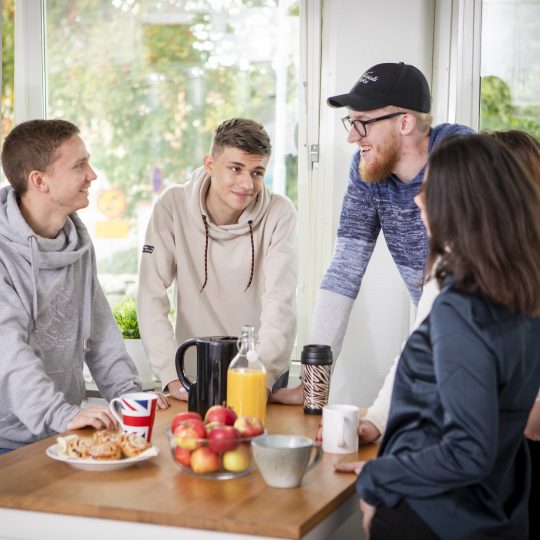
(229, 245)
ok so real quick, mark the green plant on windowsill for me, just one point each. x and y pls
(125, 314)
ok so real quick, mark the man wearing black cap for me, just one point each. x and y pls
(388, 119)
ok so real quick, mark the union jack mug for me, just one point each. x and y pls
(135, 412)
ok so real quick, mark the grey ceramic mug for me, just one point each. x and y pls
(284, 459)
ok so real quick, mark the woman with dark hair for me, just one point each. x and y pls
(453, 462)
(527, 149)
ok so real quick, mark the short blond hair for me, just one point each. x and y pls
(423, 120)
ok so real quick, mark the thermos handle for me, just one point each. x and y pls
(179, 361)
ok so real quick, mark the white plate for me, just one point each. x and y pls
(95, 465)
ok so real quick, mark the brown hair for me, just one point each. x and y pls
(31, 146)
(244, 134)
(483, 211)
(524, 146)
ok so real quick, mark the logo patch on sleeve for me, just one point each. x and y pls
(147, 249)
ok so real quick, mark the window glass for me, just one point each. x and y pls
(8, 36)
(510, 70)
(147, 82)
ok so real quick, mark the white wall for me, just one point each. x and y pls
(356, 35)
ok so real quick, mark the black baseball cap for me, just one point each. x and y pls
(401, 85)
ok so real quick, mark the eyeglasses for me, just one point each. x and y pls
(360, 125)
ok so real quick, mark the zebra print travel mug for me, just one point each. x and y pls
(316, 367)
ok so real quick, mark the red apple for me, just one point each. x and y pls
(188, 432)
(183, 456)
(223, 439)
(249, 426)
(219, 413)
(204, 460)
(237, 460)
(186, 415)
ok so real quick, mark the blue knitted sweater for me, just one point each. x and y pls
(389, 206)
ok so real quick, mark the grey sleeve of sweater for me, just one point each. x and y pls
(330, 320)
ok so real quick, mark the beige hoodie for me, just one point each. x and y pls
(175, 252)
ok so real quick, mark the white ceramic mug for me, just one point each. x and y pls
(340, 429)
(284, 459)
(137, 412)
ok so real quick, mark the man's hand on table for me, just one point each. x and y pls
(367, 432)
(177, 391)
(288, 396)
(97, 417)
(162, 401)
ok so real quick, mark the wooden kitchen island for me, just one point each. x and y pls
(41, 498)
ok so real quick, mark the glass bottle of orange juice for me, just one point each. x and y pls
(246, 378)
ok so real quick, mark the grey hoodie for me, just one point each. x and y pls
(53, 317)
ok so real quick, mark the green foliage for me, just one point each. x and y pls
(497, 110)
(291, 164)
(8, 74)
(146, 84)
(125, 314)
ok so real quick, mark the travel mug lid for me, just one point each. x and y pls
(316, 355)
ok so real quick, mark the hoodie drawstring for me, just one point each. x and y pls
(252, 255)
(88, 297)
(205, 254)
(250, 222)
(35, 269)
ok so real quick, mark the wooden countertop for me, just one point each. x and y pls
(157, 492)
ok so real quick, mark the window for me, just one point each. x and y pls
(148, 81)
(7, 103)
(510, 70)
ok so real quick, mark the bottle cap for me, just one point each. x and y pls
(316, 355)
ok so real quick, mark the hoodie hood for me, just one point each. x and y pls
(249, 219)
(71, 244)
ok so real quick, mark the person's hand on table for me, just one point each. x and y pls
(368, 512)
(177, 391)
(367, 432)
(162, 401)
(289, 396)
(97, 417)
(349, 466)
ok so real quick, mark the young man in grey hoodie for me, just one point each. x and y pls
(53, 313)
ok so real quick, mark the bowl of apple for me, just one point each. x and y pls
(217, 447)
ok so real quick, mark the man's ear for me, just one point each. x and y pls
(208, 162)
(37, 182)
(408, 123)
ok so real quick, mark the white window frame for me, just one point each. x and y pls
(315, 223)
(30, 66)
(313, 196)
(456, 62)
